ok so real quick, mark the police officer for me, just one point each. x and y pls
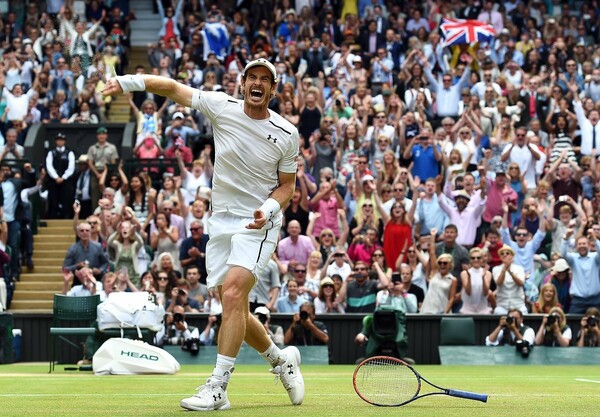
(60, 167)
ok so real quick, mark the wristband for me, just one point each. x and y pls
(270, 207)
(130, 83)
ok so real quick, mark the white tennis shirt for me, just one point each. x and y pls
(248, 153)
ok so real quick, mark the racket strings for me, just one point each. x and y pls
(386, 382)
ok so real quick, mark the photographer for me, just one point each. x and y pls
(180, 297)
(274, 331)
(176, 332)
(589, 335)
(554, 330)
(304, 330)
(511, 331)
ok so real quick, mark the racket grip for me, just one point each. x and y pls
(468, 395)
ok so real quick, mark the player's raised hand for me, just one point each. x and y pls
(260, 219)
(112, 88)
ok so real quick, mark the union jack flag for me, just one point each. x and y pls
(461, 31)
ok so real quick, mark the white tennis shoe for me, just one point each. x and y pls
(211, 396)
(289, 373)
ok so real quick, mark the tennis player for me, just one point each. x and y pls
(254, 176)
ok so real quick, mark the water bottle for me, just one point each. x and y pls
(17, 344)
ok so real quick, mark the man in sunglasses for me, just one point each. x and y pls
(192, 251)
(524, 154)
(359, 292)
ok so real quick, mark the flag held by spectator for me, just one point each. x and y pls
(461, 32)
(216, 39)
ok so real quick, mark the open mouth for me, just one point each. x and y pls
(256, 93)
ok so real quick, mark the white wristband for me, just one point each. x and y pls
(270, 207)
(130, 83)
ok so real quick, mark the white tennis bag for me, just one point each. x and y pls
(118, 356)
(123, 310)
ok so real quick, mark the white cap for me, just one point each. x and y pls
(560, 265)
(262, 310)
(178, 115)
(262, 63)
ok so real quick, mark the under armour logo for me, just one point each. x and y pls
(217, 397)
(269, 138)
(290, 369)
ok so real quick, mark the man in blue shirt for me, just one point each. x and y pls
(585, 285)
(426, 156)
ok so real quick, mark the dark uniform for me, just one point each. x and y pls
(60, 163)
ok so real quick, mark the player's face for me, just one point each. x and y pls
(258, 87)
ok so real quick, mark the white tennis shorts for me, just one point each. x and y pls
(231, 244)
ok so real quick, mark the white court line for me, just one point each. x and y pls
(159, 395)
(587, 380)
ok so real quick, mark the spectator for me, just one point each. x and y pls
(524, 246)
(560, 277)
(88, 284)
(11, 150)
(266, 291)
(442, 284)
(397, 235)
(548, 299)
(275, 332)
(192, 250)
(554, 330)
(406, 275)
(296, 246)
(476, 283)
(589, 334)
(359, 292)
(165, 238)
(397, 296)
(126, 244)
(425, 155)
(326, 301)
(521, 152)
(101, 154)
(180, 297)
(60, 166)
(585, 285)
(499, 194)
(85, 253)
(510, 279)
(305, 330)
(83, 188)
(338, 263)
(290, 303)
(197, 290)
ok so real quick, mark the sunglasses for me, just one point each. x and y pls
(521, 234)
(412, 251)
(505, 253)
(399, 189)
(475, 258)
(300, 271)
(163, 278)
(195, 229)
(377, 255)
(380, 117)
(367, 205)
(328, 286)
(520, 135)
(360, 269)
(443, 263)
(326, 235)
(362, 162)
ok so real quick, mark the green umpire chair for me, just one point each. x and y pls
(68, 313)
(457, 331)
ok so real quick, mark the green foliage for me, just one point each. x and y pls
(28, 390)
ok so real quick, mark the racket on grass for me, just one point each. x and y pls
(390, 382)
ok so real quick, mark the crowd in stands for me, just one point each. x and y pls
(463, 179)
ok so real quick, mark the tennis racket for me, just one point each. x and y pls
(390, 382)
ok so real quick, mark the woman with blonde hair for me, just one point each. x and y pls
(441, 283)
(390, 168)
(126, 244)
(547, 301)
(554, 330)
(313, 266)
(475, 285)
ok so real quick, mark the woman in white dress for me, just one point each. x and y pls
(442, 284)
(475, 285)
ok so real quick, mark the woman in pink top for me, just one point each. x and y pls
(148, 149)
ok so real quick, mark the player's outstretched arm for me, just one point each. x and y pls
(154, 84)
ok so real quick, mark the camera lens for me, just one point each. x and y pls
(303, 315)
(178, 317)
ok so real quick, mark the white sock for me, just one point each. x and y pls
(223, 368)
(274, 355)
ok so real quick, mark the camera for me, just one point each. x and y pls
(262, 318)
(510, 320)
(178, 317)
(396, 277)
(552, 318)
(192, 346)
(523, 347)
(591, 321)
(338, 102)
(303, 315)
(181, 292)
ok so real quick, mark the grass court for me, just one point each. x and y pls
(515, 391)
